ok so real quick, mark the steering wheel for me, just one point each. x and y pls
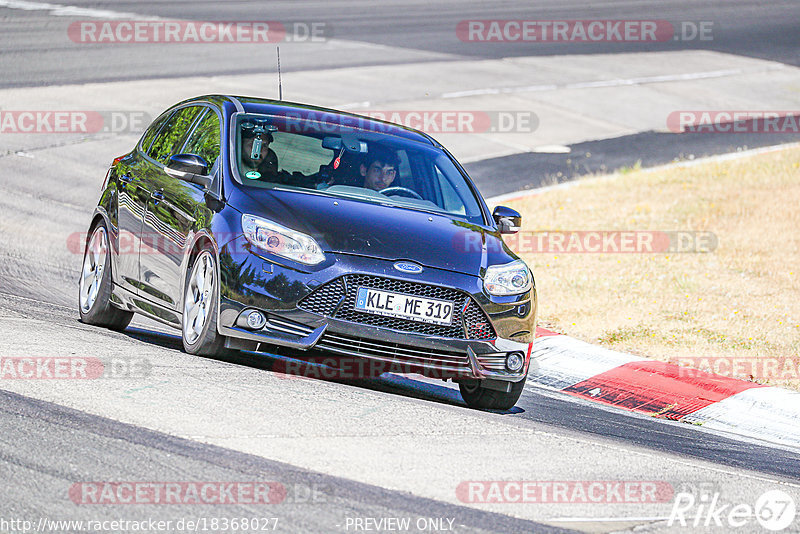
(400, 191)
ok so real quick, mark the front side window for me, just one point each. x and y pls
(204, 140)
(281, 153)
(170, 138)
(450, 197)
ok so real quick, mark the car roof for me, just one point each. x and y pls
(317, 113)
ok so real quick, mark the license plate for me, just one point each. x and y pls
(404, 306)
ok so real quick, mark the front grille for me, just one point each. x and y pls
(337, 299)
(396, 353)
(324, 300)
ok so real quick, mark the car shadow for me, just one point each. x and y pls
(307, 366)
(169, 341)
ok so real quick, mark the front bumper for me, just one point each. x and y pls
(287, 325)
(398, 352)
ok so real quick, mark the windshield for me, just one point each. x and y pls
(287, 153)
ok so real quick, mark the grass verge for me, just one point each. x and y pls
(734, 311)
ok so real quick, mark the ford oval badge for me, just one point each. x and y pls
(408, 267)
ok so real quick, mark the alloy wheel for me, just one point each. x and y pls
(197, 301)
(94, 263)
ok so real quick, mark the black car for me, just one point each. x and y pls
(257, 225)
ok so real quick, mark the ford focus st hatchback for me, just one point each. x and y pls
(258, 225)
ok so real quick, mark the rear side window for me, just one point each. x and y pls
(151, 132)
(171, 136)
(204, 140)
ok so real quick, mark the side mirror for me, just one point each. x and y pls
(508, 221)
(190, 168)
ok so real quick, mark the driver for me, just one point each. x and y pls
(265, 165)
(380, 170)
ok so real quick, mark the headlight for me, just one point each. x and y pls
(509, 279)
(281, 241)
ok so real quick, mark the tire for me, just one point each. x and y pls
(95, 284)
(481, 398)
(199, 318)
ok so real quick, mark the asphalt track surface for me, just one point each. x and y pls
(766, 30)
(52, 437)
(48, 447)
(102, 449)
(398, 32)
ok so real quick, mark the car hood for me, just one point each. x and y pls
(348, 226)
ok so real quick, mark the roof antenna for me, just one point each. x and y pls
(280, 86)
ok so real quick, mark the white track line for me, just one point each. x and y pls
(617, 82)
(60, 10)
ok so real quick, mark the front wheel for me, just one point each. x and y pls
(481, 398)
(199, 320)
(94, 286)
